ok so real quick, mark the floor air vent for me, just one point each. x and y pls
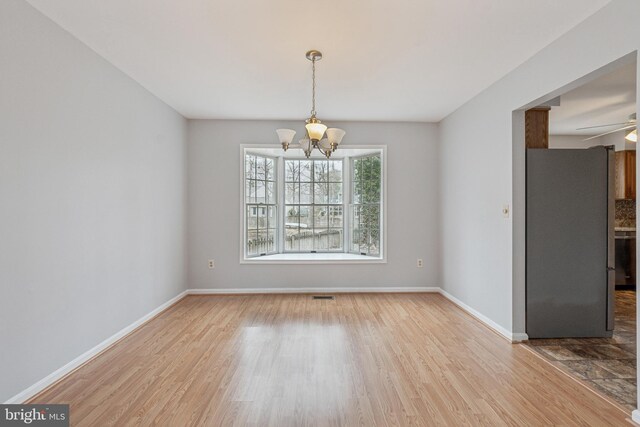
(323, 297)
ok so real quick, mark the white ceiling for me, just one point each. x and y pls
(413, 60)
(606, 100)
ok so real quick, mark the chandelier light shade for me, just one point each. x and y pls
(632, 136)
(307, 147)
(335, 135)
(315, 129)
(285, 136)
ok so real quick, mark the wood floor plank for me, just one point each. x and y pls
(358, 360)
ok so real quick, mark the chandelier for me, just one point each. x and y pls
(316, 131)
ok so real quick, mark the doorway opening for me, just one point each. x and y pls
(574, 246)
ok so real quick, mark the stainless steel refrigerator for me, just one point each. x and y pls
(570, 258)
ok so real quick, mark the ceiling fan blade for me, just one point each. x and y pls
(610, 132)
(604, 126)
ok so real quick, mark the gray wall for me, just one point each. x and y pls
(214, 216)
(482, 251)
(93, 199)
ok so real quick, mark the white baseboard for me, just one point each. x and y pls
(519, 337)
(36, 388)
(234, 291)
(635, 416)
(484, 319)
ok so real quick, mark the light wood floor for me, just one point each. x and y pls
(288, 360)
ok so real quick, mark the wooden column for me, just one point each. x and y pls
(536, 127)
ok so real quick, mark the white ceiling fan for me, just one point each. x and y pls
(629, 125)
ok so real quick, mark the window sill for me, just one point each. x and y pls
(327, 258)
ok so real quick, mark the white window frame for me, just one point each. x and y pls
(328, 205)
(304, 257)
(351, 160)
(260, 206)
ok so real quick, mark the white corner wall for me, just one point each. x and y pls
(93, 199)
(572, 142)
(578, 142)
(214, 203)
(481, 171)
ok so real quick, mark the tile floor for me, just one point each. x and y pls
(606, 364)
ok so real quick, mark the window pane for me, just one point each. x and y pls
(260, 192)
(357, 170)
(356, 195)
(335, 216)
(305, 170)
(262, 217)
(261, 241)
(252, 217)
(271, 240)
(369, 215)
(306, 220)
(335, 193)
(261, 210)
(365, 214)
(335, 171)
(321, 170)
(320, 193)
(335, 239)
(364, 241)
(320, 241)
(271, 193)
(291, 228)
(292, 218)
(291, 193)
(305, 239)
(252, 244)
(374, 247)
(272, 217)
(366, 169)
(363, 189)
(320, 216)
(260, 168)
(292, 239)
(292, 170)
(250, 167)
(270, 170)
(250, 191)
(372, 192)
(355, 240)
(305, 193)
(355, 217)
(374, 213)
(355, 229)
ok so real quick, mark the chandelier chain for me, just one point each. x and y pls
(313, 88)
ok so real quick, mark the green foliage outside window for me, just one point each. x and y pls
(367, 183)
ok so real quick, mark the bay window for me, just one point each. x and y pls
(328, 209)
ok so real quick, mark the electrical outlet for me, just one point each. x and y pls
(506, 211)
(212, 264)
(419, 264)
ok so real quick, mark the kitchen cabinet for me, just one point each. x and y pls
(625, 174)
